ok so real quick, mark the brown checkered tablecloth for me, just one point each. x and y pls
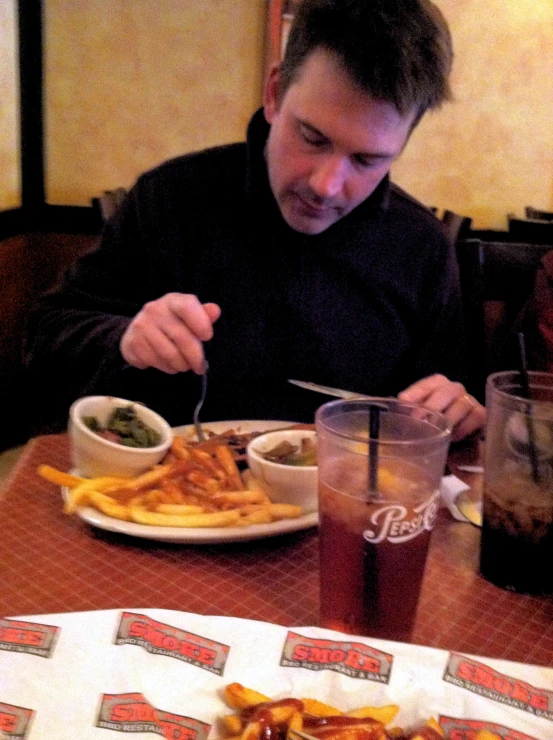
(51, 562)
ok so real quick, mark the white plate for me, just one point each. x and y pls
(204, 536)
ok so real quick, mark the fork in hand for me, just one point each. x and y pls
(196, 416)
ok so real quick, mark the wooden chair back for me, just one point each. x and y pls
(536, 214)
(531, 231)
(457, 226)
(30, 264)
(496, 280)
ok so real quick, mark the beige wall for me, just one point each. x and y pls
(491, 151)
(10, 188)
(130, 83)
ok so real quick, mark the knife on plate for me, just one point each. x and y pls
(326, 389)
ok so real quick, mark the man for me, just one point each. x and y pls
(290, 256)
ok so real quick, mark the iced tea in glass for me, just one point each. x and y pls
(376, 522)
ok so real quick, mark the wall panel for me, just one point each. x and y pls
(10, 178)
(130, 83)
(490, 152)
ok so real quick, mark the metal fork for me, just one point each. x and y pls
(196, 416)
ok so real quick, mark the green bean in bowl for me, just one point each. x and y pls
(124, 427)
(116, 436)
(287, 453)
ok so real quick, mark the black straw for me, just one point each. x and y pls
(374, 432)
(525, 384)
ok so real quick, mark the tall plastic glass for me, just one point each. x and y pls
(378, 500)
(517, 533)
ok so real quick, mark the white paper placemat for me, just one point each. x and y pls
(161, 672)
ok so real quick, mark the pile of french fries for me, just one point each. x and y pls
(192, 487)
(257, 717)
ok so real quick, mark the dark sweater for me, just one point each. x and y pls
(371, 304)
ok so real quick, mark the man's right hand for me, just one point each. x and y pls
(168, 333)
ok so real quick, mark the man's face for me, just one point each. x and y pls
(330, 143)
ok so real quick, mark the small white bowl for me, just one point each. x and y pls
(93, 456)
(287, 484)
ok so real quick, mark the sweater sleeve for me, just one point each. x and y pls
(74, 333)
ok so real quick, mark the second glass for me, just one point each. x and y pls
(380, 464)
(517, 533)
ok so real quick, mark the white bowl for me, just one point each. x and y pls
(286, 484)
(93, 456)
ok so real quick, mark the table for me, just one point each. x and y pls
(51, 562)
(8, 458)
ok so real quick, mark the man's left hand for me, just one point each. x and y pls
(438, 393)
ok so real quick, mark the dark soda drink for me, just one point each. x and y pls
(373, 553)
(517, 535)
(516, 549)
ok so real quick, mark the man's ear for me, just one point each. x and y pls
(271, 95)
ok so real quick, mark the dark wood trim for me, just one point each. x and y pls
(11, 223)
(71, 219)
(273, 35)
(31, 107)
(56, 219)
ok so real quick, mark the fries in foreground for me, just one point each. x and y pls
(190, 488)
(258, 717)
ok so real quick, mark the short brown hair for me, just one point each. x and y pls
(398, 51)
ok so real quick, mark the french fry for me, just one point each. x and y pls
(210, 519)
(255, 515)
(384, 714)
(280, 713)
(138, 500)
(432, 724)
(239, 498)
(224, 455)
(320, 709)
(258, 717)
(214, 466)
(108, 506)
(252, 731)
(204, 481)
(240, 697)
(149, 478)
(173, 492)
(295, 723)
(56, 476)
(192, 487)
(284, 511)
(179, 450)
(80, 494)
(250, 483)
(232, 724)
(180, 509)
(151, 499)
